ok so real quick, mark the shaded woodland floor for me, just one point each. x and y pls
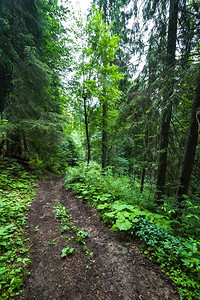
(117, 270)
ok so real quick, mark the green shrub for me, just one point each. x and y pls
(124, 208)
(120, 188)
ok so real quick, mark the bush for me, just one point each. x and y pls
(124, 208)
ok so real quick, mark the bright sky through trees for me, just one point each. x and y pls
(84, 4)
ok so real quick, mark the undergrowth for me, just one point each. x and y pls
(16, 195)
(68, 227)
(124, 208)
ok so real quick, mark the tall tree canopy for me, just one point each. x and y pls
(32, 55)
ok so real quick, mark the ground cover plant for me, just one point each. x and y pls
(74, 235)
(123, 208)
(16, 190)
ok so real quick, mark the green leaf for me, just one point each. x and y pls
(110, 215)
(114, 228)
(123, 224)
(67, 251)
(103, 206)
(123, 214)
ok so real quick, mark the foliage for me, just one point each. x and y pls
(33, 53)
(16, 189)
(178, 255)
(38, 119)
(90, 180)
(67, 251)
(116, 13)
(95, 84)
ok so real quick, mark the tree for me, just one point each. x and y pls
(114, 12)
(191, 143)
(99, 75)
(167, 111)
(31, 98)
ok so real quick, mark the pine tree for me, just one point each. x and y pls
(31, 100)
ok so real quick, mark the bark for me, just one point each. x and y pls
(14, 146)
(191, 143)
(167, 113)
(2, 142)
(142, 180)
(87, 132)
(104, 137)
(5, 81)
(25, 144)
(145, 157)
(172, 32)
(164, 139)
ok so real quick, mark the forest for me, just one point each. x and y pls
(110, 101)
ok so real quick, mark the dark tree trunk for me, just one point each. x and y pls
(172, 32)
(15, 146)
(145, 157)
(142, 180)
(25, 144)
(87, 132)
(104, 137)
(164, 139)
(2, 89)
(166, 117)
(191, 143)
(5, 81)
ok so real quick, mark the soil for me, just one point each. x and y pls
(116, 271)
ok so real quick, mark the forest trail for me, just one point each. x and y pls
(116, 271)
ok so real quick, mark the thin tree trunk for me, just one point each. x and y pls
(142, 180)
(3, 84)
(145, 157)
(191, 143)
(167, 113)
(104, 137)
(87, 132)
(25, 144)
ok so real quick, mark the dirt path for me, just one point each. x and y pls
(116, 271)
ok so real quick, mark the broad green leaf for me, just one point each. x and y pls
(123, 224)
(109, 215)
(123, 214)
(103, 206)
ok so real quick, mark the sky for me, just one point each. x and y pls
(83, 4)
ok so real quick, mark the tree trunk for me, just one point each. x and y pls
(104, 136)
(5, 81)
(14, 146)
(145, 157)
(191, 143)
(87, 132)
(142, 180)
(167, 113)
(103, 5)
(25, 144)
(164, 139)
